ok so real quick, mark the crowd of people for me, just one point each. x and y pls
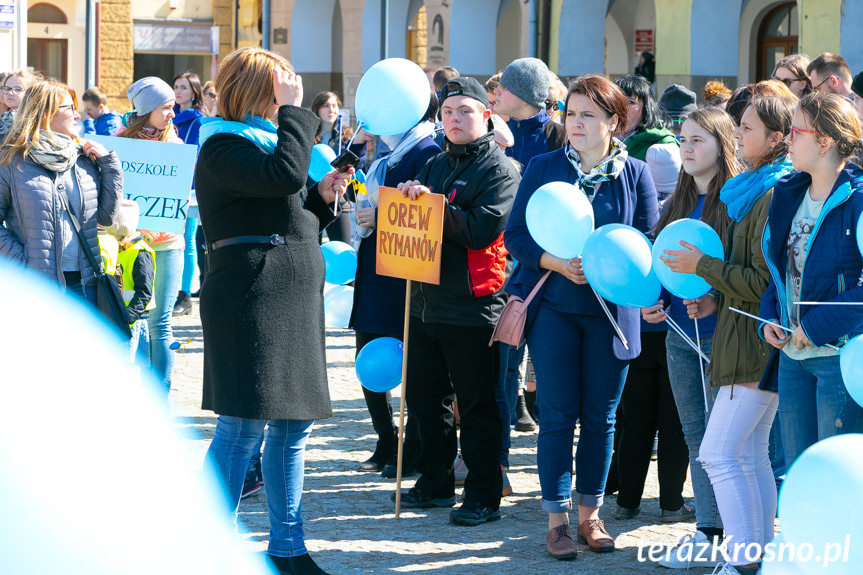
(774, 168)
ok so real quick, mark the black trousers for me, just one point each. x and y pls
(445, 361)
(648, 405)
(381, 409)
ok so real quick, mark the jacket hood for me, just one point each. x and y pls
(533, 123)
(186, 115)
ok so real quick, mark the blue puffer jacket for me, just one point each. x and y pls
(833, 265)
(188, 124)
(29, 208)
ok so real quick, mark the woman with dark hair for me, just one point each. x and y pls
(734, 451)
(188, 111)
(326, 106)
(645, 136)
(379, 301)
(580, 361)
(791, 71)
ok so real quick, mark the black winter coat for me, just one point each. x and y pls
(262, 308)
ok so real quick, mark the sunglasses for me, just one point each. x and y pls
(821, 83)
(787, 81)
(16, 89)
(801, 131)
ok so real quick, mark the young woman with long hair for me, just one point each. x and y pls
(734, 451)
(13, 87)
(709, 157)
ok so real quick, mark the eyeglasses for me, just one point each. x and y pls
(802, 131)
(16, 89)
(70, 106)
(815, 88)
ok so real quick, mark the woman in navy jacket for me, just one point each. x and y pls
(810, 244)
(580, 362)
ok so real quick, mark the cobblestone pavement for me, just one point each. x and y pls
(349, 519)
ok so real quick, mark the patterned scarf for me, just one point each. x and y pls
(54, 152)
(147, 132)
(605, 171)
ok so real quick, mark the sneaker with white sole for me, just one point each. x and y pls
(693, 551)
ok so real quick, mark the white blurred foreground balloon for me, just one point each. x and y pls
(75, 413)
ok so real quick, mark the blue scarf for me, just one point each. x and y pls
(254, 128)
(741, 192)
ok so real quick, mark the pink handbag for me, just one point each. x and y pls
(510, 325)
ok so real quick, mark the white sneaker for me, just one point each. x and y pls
(693, 551)
(725, 569)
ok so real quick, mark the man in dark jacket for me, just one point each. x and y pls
(451, 323)
(522, 95)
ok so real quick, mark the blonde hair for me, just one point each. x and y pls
(835, 119)
(772, 88)
(41, 101)
(245, 81)
(716, 93)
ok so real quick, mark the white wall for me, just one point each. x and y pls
(714, 37)
(396, 35)
(473, 36)
(616, 49)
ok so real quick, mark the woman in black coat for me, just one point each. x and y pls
(262, 302)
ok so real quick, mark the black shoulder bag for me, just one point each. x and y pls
(109, 300)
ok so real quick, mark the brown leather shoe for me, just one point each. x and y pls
(559, 543)
(594, 534)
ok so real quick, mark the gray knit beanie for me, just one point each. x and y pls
(527, 78)
(677, 101)
(149, 93)
(126, 220)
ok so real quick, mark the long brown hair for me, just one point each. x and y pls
(195, 85)
(685, 197)
(136, 127)
(319, 100)
(835, 119)
(775, 113)
(245, 81)
(41, 101)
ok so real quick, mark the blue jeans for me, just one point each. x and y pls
(688, 393)
(813, 403)
(506, 394)
(169, 268)
(578, 379)
(139, 346)
(234, 444)
(190, 254)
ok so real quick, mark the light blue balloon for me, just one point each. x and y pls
(559, 218)
(320, 166)
(823, 489)
(779, 557)
(860, 234)
(379, 364)
(851, 366)
(338, 303)
(340, 260)
(617, 264)
(697, 233)
(392, 97)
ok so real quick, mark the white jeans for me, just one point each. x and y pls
(734, 455)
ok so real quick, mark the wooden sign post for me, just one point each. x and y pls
(409, 243)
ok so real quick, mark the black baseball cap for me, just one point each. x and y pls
(857, 85)
(464, 86)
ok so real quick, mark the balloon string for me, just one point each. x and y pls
(611, 319)
(701, 368)
(340, 131)
(360, 125)
(679, 331)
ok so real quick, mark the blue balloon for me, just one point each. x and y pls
(559, 218)
(392, 97)
(320, 166)
(379, 364)
(338, 303)
(697, 233)
(822, 488)
(617, 264)
(851, 366)
(340, 260)
(860, 234)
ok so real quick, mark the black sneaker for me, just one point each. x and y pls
(183, 306)
(414, 498)
(473, 513)
(254, 480)
(299, 565)
(409, 468)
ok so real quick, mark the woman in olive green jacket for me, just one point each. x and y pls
(734, 449)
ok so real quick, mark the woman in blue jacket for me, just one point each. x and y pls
(580, 362)
(810, 244)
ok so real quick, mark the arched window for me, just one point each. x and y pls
(777, 38)
(43, 13)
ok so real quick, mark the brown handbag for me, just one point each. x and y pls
(510, 325)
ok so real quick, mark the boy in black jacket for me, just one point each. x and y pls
(451, 323)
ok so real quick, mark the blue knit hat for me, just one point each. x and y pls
(528, 79)
(149, 93)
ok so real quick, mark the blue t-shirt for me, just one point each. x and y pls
(707, 325)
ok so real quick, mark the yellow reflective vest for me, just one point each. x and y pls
(126, 259)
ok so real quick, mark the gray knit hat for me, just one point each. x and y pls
(126, 220)
(528, 79)
(149, 93)
(677, 101)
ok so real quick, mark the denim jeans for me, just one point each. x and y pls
(813, 403)
(190, 254)
(578, 379)
(688, 393)
(506, 394)
(734, 454)
(233, 446)
(169, 269)
(139, 346)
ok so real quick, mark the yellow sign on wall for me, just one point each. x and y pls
(409, 237)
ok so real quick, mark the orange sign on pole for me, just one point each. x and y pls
(409, 237)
